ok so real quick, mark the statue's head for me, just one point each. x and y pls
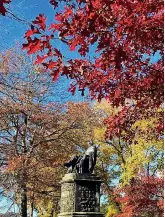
(90, 144)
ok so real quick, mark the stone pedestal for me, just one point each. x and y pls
(80, 196)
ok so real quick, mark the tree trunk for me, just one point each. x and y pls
(24, 202)
(32, 209)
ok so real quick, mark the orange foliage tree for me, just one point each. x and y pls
(36, 136)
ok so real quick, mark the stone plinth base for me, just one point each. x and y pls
(80, 196)
(81, 214)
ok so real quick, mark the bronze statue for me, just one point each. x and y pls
(72, 163)
(85, 163)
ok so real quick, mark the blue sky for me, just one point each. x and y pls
(26, 10)
(12, 32)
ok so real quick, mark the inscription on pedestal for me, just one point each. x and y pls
(86, 197)
(67, 197)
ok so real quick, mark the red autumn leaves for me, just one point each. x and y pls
(143, 196)
(3, 9)
(121, 34)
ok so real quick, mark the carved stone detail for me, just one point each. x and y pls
(86, 197)
(67, 197)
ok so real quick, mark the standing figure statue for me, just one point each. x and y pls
(85, 163)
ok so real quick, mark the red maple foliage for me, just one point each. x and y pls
(124, 36)
(2, 6)
(143, 197)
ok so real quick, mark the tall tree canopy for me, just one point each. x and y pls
(36, 135)
(132, 173)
